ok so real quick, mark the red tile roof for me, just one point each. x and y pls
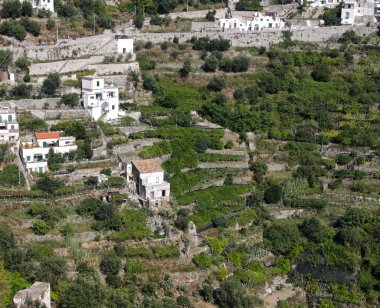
(147, 166)
(47, 135)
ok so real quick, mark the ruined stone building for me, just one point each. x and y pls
(38, 292)
(146, 179)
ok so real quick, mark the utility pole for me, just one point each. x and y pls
(94, 24)
(57, 35)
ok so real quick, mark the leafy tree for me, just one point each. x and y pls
(240, 64)
(83, 293)
(255, 199)
(259, 168)
(351, 237)
(22, 90)
(50, 24)
(354, 217)
(217, 83)
(11, 176)
(211, 64)
(332, 17)
(51, 84)
(321, 72)
(7, 239)
(5, 286)
(184, 302)
(31, 26)
(110, 264)
(231, 294)
(53, 270)
(248, 5)
(22, 63)
(70, 99)
(210, 16)
(150, 83)
(186, 68)
(312, 228)
(48, 184)
(273, 193)
(89, 207)
(11, 9)
(139, 19)
(5, 59)
(281, 237)
(220, 221)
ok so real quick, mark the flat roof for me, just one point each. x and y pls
(48, 135)
(147, 165)
(92, 77)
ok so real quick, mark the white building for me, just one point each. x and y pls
(100, 101)
(257, 22)
(358, 12)
(42, 4)
(124, 44)
(39, 291)
(323, 3)
(9, 127)
(146, 178)
(34, 154)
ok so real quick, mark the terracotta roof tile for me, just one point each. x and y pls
(147, 166)
(48, 135)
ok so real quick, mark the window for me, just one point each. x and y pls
(347, 15)
(10, 118)
(152, 194)
(124, 50)
(113, 107)
(44, 144)
(164, 193)
(92, 97)
(270, 25)
(98, 83)
(98, 96)
(110, 94)
(28, 158)
(157, 179)
(67, 142)
(12, 127)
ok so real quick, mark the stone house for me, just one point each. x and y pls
(146, 179)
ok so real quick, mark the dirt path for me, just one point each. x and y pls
(272, 299)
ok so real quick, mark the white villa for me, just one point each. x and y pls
(257, 22)
(9, 127)
(39, 291)
(146, 179)
(354, 12)
(358, 12)
(124, 44)
(100, 101)
(42, 4)
(34, 154)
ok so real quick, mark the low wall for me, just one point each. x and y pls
(114, 68)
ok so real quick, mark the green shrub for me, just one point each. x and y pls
(202, 260)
